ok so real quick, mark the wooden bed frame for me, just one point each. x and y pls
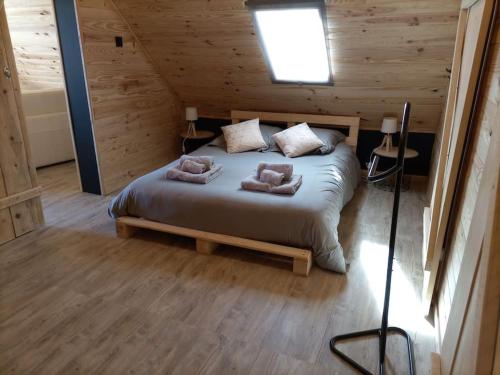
(207, 242)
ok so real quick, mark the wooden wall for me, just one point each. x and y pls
(136, 116)
(434, 159)
(36, 48)
(490, 99)
(383, 52)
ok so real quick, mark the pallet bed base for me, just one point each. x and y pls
(207, 242)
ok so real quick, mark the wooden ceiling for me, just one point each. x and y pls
(383, 52)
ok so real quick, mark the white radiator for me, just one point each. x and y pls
(48, 127)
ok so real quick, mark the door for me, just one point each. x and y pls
(20, 205)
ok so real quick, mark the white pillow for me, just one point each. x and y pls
(244, 136)
(297, 140)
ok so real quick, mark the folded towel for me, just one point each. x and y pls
(286, 169)
(271, 177)
(192, 167)
(203, 178)
(289, 187)
(207, 161)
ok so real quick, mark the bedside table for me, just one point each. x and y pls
(392, 153)
(199, 136)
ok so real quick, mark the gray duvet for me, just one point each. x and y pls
(307, 219)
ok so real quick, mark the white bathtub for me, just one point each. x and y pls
(48, 127)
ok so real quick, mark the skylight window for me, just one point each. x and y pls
(294, 43)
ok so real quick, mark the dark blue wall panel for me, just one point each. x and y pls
(422, 142)
(77, 95)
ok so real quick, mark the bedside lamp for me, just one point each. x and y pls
(389, 126)
(191, 117)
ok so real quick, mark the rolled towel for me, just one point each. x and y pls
(286, 169)
(207, 161)
(289, 187)
(203, 178)
(193, 167)
(252, 183)
(271, 177)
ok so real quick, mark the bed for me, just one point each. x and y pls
(302, 226)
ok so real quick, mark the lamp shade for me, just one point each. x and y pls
(389, 125)
(191, 114)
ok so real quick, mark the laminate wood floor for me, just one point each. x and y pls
(76, 299)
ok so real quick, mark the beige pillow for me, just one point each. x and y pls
(297, 140)
(244, 136)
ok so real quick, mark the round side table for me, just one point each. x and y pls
(199, 136)
(392, 153)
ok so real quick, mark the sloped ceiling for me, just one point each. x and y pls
(383, 52)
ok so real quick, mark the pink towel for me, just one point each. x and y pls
(290, 187)
(207, 161)
(271, 177)
(286, 169)
(203, 178)
(192, 167)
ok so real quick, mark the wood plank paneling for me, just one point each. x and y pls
(136, 116)
(383, 52)
(474, 42)
(36, 47)
(490, 97)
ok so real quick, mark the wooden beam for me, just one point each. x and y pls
(302, 258)
(426, 223)
(23, 196)
(435, 206)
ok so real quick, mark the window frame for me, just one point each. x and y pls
(256, 5)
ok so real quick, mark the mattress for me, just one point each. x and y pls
(308, 219)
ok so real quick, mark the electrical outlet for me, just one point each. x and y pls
(119, 41)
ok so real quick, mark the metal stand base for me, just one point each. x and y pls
(372, 332)
(384, 329)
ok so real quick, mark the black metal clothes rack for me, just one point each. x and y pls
(381, 332)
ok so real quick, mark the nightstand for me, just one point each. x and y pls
(392, 153)
(200, 136)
